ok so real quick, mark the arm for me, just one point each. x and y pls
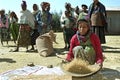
(74, 42)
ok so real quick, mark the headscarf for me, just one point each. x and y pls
(83, 38)
(34, 12)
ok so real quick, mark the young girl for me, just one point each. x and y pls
(85, 45)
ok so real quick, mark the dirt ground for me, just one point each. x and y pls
(15, 60)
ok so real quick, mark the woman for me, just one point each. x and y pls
(86, 44)
(69, 12)
(14, 28)
(46, 17)
(4, 28)
(38, 25)
(84, 13)
(97, 14)
(26, 25)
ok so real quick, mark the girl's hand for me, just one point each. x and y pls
(100, 64)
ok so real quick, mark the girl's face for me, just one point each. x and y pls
(83, 28)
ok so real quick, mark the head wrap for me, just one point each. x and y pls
(83, 5)
(67, 5)
(45, 4)
(24, 3)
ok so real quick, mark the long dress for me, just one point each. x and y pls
(97, 15)
(14, 28)
(38, 27)
(4, 29)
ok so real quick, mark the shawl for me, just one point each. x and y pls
(103, 14)
(83, 38)
(27, 18)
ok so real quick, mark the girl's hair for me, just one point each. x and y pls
(83, 20)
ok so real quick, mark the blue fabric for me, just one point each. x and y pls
(39, 21)
(101, 9)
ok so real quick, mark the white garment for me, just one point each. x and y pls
(12, 19)
(27, 18)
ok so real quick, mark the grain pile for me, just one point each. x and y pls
(78, 66)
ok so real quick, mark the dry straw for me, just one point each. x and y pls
(78, 66)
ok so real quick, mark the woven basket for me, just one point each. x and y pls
(94, 69)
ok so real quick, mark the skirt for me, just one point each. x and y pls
(4, 34)
(24, 38)
(14, 30)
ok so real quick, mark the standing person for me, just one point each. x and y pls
(84, 13)
(68, 28)
(63, 19)
(97, 14)
(85, 45)
(77, 12)
(14, 28)
(38, 25)
(4, 27)
(26, 25)
(46, 17)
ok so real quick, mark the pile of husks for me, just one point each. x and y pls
(78, 66)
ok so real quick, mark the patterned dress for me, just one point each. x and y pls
(46, 18)
(4, 31)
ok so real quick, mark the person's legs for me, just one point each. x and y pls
(34, 36)
(1, 36)
(27, 49)
(32, 47)
(64, 37)
(17, 49)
